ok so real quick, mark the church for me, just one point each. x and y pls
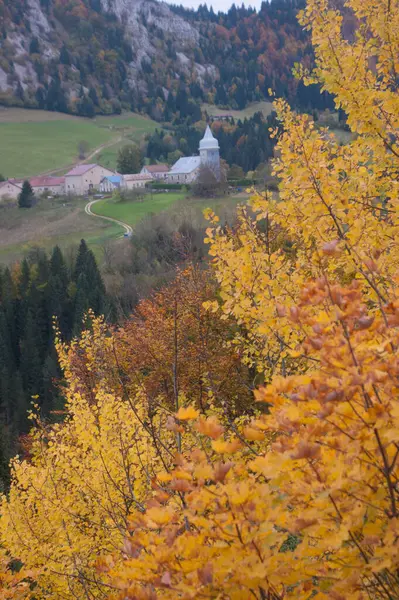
(187, 169)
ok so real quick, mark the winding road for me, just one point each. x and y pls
(125, 226)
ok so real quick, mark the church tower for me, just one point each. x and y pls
(209, 152)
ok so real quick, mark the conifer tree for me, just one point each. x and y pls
(26, 196)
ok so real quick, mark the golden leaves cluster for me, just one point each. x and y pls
(310, 511)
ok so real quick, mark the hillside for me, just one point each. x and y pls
(92, 57)
(38, 142)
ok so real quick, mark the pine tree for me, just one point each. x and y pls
(90, 289)
(81, 304)
(31, 364)
(26, 197)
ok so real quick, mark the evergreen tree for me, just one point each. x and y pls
(34, 47)
(31, 365)
(26, 196)
(85, 107)
(129, 159)
(41, 289)
(65, 58)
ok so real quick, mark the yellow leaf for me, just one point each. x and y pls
(186, 414)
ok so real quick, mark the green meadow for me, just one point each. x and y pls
(132, 211)
(31, 145)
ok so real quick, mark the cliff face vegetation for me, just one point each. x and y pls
(165, 479)
(102, 56)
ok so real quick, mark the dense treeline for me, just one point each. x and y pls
(244, 143)
(255, 51)
(89, 69)
(31, 295)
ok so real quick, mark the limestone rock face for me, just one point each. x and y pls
(149, 27)
(137, 15)
(141, 16)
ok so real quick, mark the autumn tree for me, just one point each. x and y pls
(168, 498)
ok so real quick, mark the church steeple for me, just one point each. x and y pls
(209, 152)
(209, 142)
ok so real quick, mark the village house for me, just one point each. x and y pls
(156, 171)
(10, 189)
(136, 181)
(84, 179)
(111, 183)
(48, 185)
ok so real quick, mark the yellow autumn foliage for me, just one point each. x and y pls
(334, 200)
(132, 500)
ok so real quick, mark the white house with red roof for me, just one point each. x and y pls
(85, 178)
(48, 185)
(10, 189)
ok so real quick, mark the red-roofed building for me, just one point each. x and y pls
(156, 171)
(85, 178)
(50, 185)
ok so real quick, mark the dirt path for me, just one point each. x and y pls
(81, 162)
(88, 211)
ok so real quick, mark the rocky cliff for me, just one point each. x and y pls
(109, 53)
(102, 56)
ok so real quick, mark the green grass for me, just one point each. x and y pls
(30, 147)
(48, 223)
(265, 107)
(131, 212)
(109, 156)
(127, 122)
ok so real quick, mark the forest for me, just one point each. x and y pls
(246, 143)
(88, 70)
(238, 435)
(39, 293)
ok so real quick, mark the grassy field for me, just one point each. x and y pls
(265, 107)
(47, 224)
(108, 156)
(131, 212)
(56, 222)
(34, 142)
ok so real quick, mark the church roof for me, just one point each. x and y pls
(186, 165)
(209, 142)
